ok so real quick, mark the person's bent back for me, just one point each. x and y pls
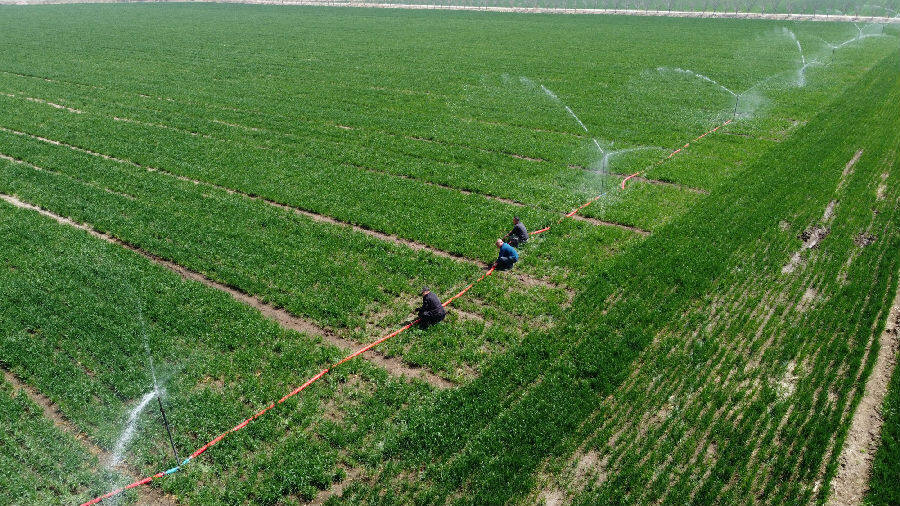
(431, 311)
(519, 234)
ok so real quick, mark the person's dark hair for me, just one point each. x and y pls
(515, 218)
(425, 289)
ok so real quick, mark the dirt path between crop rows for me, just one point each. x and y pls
(524, 10)
(604, 223)
(851, 481)
(392, 365)
(658, 182)
(414, 245)
(647, 180)
(146, 495)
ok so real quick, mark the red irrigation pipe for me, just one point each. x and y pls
(310, 381)
(323, 372)
(673, 153)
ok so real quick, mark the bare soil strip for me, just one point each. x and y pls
(146, 495)
(321, 218)
(337, 489)
(813, 235)
(680, 186)
(441, 185)
(592, 221)
(282, 317)
(852, 478)
(42, 101)
(603, 223)
(524, 10)
(414, 245)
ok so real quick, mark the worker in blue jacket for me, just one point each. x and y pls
(507, 257)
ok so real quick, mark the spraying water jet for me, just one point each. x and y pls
(156, 388)
(696, 75)
(127, 434)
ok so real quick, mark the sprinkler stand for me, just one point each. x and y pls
(168, 430)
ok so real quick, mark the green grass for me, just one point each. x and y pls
(887, 8)
(40, 463)
(76, 313)
(883, 488)
(485, 442)
(433, 127)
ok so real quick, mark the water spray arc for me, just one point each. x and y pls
(156, 390)
(801, 71)
(804, 63)
(130, 426)
(606, 154)
(609, 155)
(568, 109)
(859, 36)
(691, 73)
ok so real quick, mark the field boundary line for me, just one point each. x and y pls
(52, 413)
(518, 10)
(317, 217)
(647, 180)
(394, 366)
(850, 483)
(673, 153)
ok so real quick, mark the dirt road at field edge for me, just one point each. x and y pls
(523, 10)
(855, 462)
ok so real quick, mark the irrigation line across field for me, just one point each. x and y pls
(355, 354)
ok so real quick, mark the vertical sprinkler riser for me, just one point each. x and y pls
(168, 430)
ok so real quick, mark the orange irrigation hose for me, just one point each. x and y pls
(310, 381)
(353, 355)
(673, 153)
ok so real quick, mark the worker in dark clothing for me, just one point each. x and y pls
(518, 235)
(508, 256)
(432, 311)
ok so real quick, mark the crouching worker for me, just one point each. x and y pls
(508, 256)
(432, 311)
(518, 235)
